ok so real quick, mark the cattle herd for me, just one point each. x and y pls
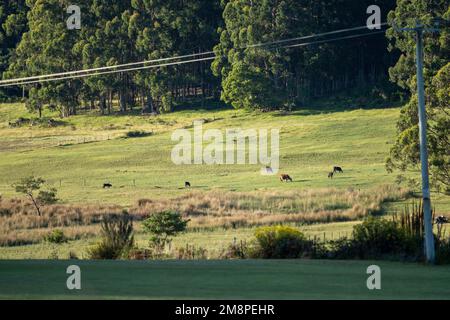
(283, 177)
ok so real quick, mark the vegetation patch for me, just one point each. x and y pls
(138, 134)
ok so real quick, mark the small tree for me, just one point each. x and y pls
(162, 226)
(30, 185)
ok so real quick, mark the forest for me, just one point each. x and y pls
(35, 40)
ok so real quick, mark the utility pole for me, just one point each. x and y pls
(426, 201)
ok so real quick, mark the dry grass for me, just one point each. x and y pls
(237, 209)
(20, 225)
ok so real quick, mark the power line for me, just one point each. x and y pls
(112, 71)
(88, 73)
(332, 40)
(61, 75)
(103, 68)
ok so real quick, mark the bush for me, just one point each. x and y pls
(117, 238)
(377, 238)
(191, 253)
(443, 251)
(162, 226)
(279, 242)
(235, 251)
(140, 254)
(137, 134)
(56, 236)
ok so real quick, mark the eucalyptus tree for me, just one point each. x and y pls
(405, 155)
(48, 47)
(13, 23)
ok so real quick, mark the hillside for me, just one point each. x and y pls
(310, 144)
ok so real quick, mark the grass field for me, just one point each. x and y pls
(87, 150)
(311, 142)
(310, 145)
(214, 240)
(275, 279)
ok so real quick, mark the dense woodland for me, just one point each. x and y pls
(35, 40)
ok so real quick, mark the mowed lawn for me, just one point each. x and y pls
(236, 279)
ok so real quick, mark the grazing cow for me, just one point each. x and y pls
(337, 169)
(441, 220)
(285, 178)
(187, 184)
(107, 185)
(330, 175)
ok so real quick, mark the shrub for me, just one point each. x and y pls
(191, 253)
(56, 236)
(117, 238)
(137, 134)
(280, 242)
(377, 237)
(443, 251)
(140, 254)
(235, 251)
(162, 226)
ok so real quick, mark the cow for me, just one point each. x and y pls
(441, 220)
(285, 178)
(330, 175)
(187, 184)
(337, 169)
(107, 185)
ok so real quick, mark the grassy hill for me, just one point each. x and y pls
(311, 144)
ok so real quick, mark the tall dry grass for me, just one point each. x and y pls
(19, 223)
(235, 209)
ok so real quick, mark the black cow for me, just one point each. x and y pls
(187, 184)
(107, 185)
(330, 175)
(441, 220)
(285, 178)
(337, 169)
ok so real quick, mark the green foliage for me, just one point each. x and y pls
(13, 23)
(235, 250)
(405, 155)
(162, 226)
(56, 236)
(46, 197)
(274, 77)
(443, 251)
(377, 237)
(117, 238)
(30, 185)
(280, 242)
